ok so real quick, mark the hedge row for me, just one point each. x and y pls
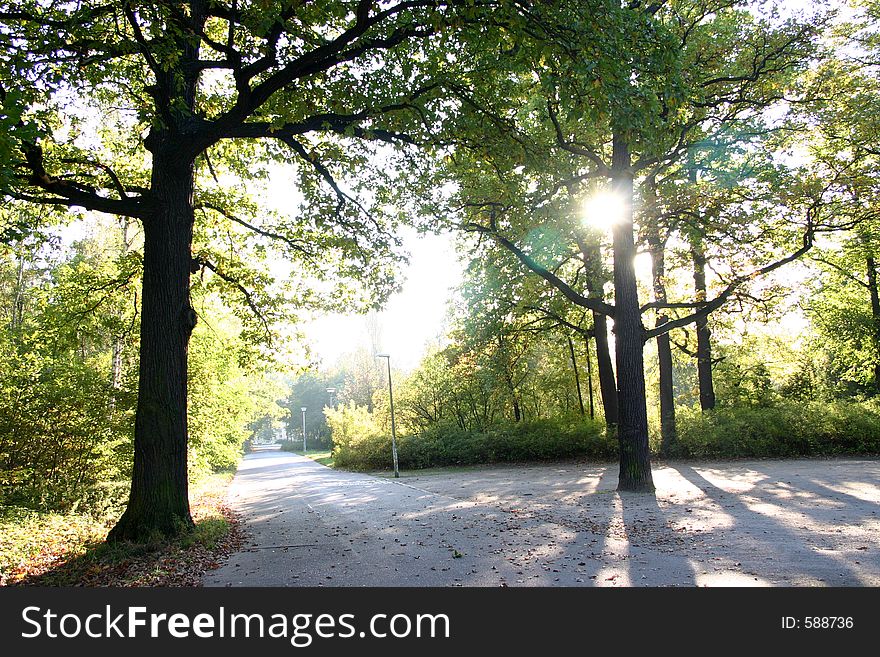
(542, 440)
(783, 430)
(787, 429)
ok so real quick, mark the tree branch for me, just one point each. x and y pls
(576, 149)
(248, 296)
(294, 244)
(71, 194)
(842, 271)
(570, 294)
(722, 298)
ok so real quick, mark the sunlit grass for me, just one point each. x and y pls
(322, 456)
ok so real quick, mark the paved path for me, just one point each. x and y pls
(797, 522)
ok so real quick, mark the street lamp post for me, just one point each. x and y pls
(393, 428)
(303, 409)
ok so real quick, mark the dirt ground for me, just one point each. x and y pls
(799, 522)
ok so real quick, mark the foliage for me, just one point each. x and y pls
(225, 396)
(445, 444)
(738, 137)
(65, 428)
(28, 538)
(784, 429)
(68, 378)
(309, 390)
(355, 431)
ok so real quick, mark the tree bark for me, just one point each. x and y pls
(632, 432)
(668, 431)
(159, 500)
(158, 503)
(577, 378)
(664, 347)
(875, 316)
(704, 335)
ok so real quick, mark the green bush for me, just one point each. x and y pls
(785, 429)
(63, 433)
(540, 440)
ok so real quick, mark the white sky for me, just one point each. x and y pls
(411, 320)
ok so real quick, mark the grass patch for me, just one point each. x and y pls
(67, 550)
(322, 455)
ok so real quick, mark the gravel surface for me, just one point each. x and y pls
(803, 522)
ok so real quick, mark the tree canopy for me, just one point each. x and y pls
(259, 158)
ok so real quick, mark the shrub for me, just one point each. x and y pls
(785, 429)
(357, 438)
(63, 432)
(540, 440)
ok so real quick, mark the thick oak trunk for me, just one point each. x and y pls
(632, 431)
(159, 502)
(704, 335)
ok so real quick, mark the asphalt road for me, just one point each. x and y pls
(763, 523)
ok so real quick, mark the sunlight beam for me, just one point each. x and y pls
(603, 210)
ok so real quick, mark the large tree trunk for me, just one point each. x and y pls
(607, 381)
(635, 458)
(664, 348)
(159, 502)
(704, 335)
(875, 316)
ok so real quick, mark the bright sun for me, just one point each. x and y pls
(603, 209)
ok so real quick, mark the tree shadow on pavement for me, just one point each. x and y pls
(765, 545)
